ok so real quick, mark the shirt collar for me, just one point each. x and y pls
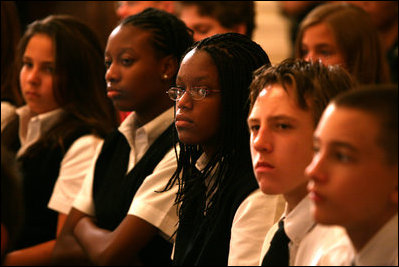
(382, 249)
(152, 129)
(299, 221)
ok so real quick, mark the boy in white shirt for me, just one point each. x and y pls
(354, 172)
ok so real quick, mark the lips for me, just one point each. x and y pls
(115, 93)
(183, 121)
(31, 94)
(263, 166)
(314, 195)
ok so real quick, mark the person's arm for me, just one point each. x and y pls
(253, 219)
(117, 247)
(36, 255)
(67, 250)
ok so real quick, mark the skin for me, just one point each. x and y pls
(319, 43)
(281, 143)
(351, 184)
(135, 73)
(127, 8)
(36, 75)
(134, 82)
(205, 26)
(197, 122)
(36, 79)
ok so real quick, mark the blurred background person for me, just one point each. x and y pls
(127, 8)
(343, 34)
(207, 18)
(384, 15)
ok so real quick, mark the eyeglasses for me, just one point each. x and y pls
(196, 93)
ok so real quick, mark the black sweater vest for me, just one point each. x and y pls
(39, 171)
(113, 189)
(200, 244)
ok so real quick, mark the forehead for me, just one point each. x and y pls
(319, 32)
(197, 65)
(338, 122)
(191, 16)
(129, 36)
(274, 100)
(40, 45)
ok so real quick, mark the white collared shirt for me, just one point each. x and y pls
(325, 246)
(253, 218)
(382, 249)
(155, 208)
(297, 224)
(74, 163)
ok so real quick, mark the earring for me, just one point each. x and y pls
(165, 76)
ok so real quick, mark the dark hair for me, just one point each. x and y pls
(313, 83)
(79, 84)
(10, 35)
(236, 56)
(357, 39)
(170, 36)
(380, 101)
(227, 13)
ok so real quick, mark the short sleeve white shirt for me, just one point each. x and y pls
(253, 219)
(74, 163)
(149, 205)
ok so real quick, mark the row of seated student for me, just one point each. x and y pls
(179, 175)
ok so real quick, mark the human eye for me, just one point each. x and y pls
(107, 63)
(27, 63)
(342, 157)
(48, 68)
(281, 126)
(253, 126)
(126, 61)
(199, 91)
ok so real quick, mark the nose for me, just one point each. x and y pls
(316, 170)
(112, 74)
(33, 76)
(262, 141)
(185, 102)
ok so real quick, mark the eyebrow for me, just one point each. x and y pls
(42, 62)
(195, 80)
(338, 144)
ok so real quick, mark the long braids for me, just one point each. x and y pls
(236, 57)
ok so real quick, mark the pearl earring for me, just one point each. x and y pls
(165, 76)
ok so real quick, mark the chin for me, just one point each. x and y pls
(266, 188)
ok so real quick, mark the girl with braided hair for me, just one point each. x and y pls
(119, 218)
(222, 213)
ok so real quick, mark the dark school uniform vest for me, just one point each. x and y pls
(39, 171)
(113, 189)
(209, 245)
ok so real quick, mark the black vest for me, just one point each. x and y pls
(40, 171)
(209, 244)
(113, 189)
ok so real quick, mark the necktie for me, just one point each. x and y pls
(278, 253)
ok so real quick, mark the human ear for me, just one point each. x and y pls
(169, 68)
(241, 28)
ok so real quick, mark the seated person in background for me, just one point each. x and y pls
(119, 217)
(125, 9)
(207, 18)
(343, 34)
(56, 133)
(287, 101)
(354, 172)
(222, 213)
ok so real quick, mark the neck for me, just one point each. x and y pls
(295, 196)
(361, 233)
(145, 116)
